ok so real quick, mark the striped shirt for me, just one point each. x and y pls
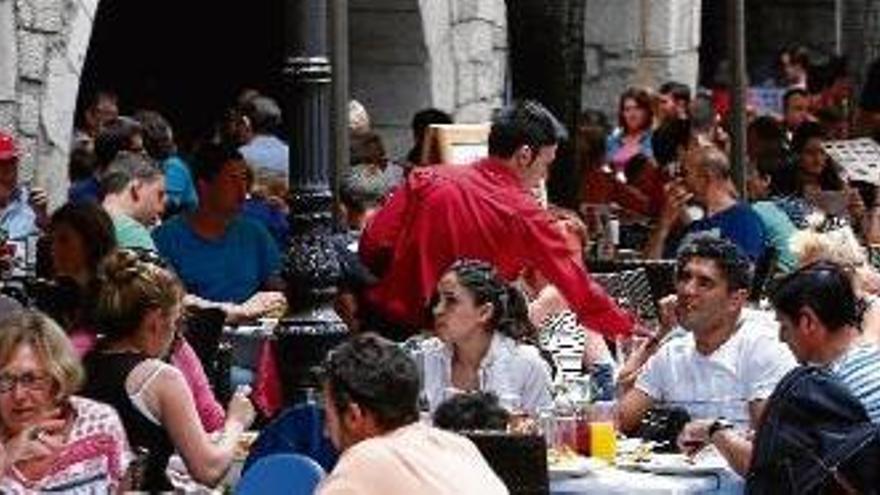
(859, 369)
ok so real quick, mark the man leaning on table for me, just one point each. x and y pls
(371, 390)
(818, 316)
(730, 359)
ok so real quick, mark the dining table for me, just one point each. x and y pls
(613, 480)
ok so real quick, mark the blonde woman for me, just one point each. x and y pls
(138, 308)
(52, 440)
(841, 246)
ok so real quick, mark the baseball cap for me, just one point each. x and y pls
(8, 150)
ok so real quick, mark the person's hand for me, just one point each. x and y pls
(241, 409)
(41, 439)
(39, 202)
(694, 436)
(677, 197)
(667, 316)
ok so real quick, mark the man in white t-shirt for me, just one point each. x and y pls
(371, 390)
(731, 359)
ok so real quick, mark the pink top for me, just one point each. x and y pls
(93, 460)
(185, 359)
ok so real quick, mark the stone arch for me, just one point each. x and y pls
(43, 46)
(457, 55)
(410, 54)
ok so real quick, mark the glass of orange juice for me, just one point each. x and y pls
(603, 440)
(603, 437)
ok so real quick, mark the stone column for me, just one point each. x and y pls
(642, 42)
(312, 269)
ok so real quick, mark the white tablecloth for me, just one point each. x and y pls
(610, 480)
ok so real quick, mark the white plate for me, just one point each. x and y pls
(677, 464)
(580, 466)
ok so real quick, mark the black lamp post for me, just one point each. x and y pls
(312, 269)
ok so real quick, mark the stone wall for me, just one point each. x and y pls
(638, 42)
(410, 54)
(43, 45)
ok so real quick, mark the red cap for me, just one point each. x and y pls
(8, 151)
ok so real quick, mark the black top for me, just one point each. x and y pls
(106, 374)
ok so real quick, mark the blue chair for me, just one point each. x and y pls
(281, 474)
(299, 429)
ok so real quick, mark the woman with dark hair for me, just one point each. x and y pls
(633, 134)
(817, 180)
(80, 236)
(481, 325)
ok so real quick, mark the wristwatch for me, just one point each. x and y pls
(718, 425)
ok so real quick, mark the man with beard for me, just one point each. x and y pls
(730, 360)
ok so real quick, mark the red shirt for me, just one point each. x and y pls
(443, 213)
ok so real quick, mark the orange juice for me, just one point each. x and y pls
(603, 440)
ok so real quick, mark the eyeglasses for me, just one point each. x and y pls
(30, 381)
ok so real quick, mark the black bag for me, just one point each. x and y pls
(815, 438)
(663, 425)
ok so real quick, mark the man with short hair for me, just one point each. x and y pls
(730, 360)
(483, 211)
(795, 109)
(675, 100)
(268, 155)
(18, 218)
(133, 188)
(818, 318)
(219, 255)
(371, 391)
(705, 179)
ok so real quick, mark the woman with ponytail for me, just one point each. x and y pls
(138, 309)
(482, 329)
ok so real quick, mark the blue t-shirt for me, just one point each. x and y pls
(275, 221)
(738, 224)
(179, 188)
(229, 269)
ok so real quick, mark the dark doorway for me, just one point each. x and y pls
(186, 59)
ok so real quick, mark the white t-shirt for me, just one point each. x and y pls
(413, 459)
(516, 373)
(745, 368)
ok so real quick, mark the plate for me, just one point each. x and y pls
(574, 467)
(704, 463)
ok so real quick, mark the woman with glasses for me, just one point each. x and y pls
(138, 308)
(481, 326)
(52, 440)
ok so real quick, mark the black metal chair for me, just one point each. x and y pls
(204, 331)
(632, 290)
(519, 460)
(660, 273)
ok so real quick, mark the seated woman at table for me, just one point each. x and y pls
(82, 235)
(553, 317)
(479, 342)
(138, 308)
(51, 439)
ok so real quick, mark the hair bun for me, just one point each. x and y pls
(121, 267)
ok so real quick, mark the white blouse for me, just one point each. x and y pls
(516, 373)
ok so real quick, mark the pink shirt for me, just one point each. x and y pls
(413, 459)
(185, 359)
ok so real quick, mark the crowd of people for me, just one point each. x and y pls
(467, 258)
